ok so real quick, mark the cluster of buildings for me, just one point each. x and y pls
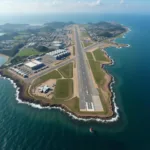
(7, 44)
(59, 54)
(19, 72)
(51, 40)
(34, 64)
(96, 37)
(44, 89)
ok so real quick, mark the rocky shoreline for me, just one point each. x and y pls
(21, 98)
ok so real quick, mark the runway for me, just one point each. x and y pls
(88, 94)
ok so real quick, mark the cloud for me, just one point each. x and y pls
(48, 6)
(95, 3)
(57, 2)
(121, 1)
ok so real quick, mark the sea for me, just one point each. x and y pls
(24, 127)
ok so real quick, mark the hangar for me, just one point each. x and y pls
(34, 64)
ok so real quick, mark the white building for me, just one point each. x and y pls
(34, 64)
(59, 54)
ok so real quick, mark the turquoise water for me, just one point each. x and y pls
(2, 60)
(25, 128)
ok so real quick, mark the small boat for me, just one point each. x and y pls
(91, 130)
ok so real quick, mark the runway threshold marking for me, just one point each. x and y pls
(88, 105)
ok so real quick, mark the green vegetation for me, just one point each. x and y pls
(99, 55)
(106, 29)
(67, 70)
(13, 51)
(86, 44)
(89, 56)
(84, 34)
(99, 76)
(17, 59)
(97, 72)
(74, 50)
(43, 49)
(73, 104)
(28, 52)
(8, 36)
(21, 37)
(52, 75)
(64, 89)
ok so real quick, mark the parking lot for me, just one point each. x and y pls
(47, 60)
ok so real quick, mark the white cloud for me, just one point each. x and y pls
(121, 1)
(57, 2)
(95, 3)
(48, 6)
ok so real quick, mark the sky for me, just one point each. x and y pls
(65, 6)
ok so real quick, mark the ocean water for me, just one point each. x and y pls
(23, 127)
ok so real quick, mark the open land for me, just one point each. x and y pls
(28, 52)
(62, 65)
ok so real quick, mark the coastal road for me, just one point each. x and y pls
(88, 94)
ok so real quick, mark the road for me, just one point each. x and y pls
(88, 94)
(94, 46)
(51, 68)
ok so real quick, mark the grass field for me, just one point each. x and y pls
(89, 56)
(84, 34)
(97, 72)
(20, 37)
(67, 70)
(52, 75)
(86, 44)
(28, 52)
(99, 55)
(74, 50)
(64, 89)
(73, 104)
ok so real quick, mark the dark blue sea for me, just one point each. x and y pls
(23, 127)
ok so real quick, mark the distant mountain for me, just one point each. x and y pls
(56, 25)
(8, 27)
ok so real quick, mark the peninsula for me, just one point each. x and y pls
(61, 65)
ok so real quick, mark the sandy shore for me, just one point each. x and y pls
(5, 56)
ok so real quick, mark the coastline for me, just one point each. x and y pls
(5, 56)
(22, 99)
(37, 104)
(41, 105)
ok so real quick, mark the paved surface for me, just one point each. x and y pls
(29, 80)
(89, 96)
(96, 45)
(91, 46)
